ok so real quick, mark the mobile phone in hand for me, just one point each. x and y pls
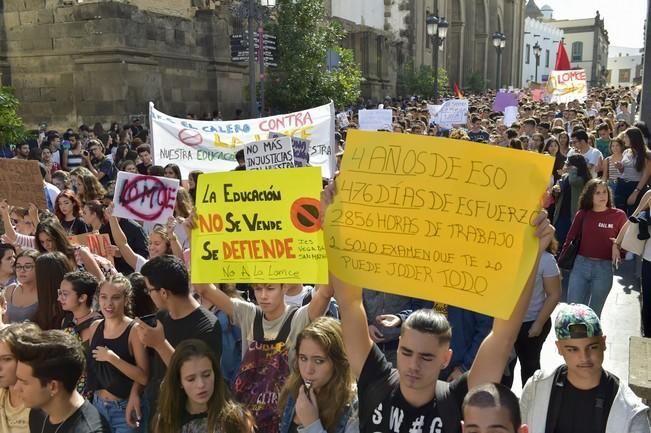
(149, 319)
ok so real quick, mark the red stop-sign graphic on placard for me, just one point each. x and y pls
(305, 214)
(190, 137)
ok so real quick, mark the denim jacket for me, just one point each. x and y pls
(349, 422)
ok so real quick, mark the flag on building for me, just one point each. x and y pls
(457, 91)
(562, 61)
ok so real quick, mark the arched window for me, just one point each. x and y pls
(577, 51)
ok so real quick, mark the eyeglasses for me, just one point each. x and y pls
(152, 290)
(26, 268)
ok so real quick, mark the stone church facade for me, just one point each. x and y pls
(74, 62)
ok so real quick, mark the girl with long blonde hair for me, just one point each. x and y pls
(320, 390)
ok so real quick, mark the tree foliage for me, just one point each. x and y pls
(420, 81)
(12, 129)
(304, 36)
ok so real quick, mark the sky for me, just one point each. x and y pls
(624, 19)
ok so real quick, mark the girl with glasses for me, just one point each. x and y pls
(22, 297)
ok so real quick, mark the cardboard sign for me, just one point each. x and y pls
(503, 100)
(259, 227)
(436, 218)
(268, 154)
(342, 119)
(99, 244)
(566, 86)
(453, 112)
(21, 183)
(210, 146)
(374, 120)
(300, 147)
(144, 198)
(537, 94)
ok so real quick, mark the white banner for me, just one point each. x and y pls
(566, 86)
(267, 154)
(144, 198)
(375, 120)
(453, 112)
(211, 146)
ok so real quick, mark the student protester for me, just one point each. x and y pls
(319, 395)
(537, 322)
(492, 408)
(50, 270)
(73, 157)
(194, 398)
(411, 397)
(76, 295)
(635, 170)
(22, 297)
(580, 396)
(269, 332)
(86, 185)
(7, 263)
(593, 157)
(567, 192)
(612, 165)
(180, 317)
(51, 236)
(99, 165)
(49, 366)
(144, 154)
(14, 416)
(596, 224)
(116, 359)
(67, 208)
(159, 242)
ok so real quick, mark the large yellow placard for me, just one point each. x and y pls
(259, 227)
(436, 218)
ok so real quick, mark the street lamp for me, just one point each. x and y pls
(499, 42)
(253, 12)
(437, 29)
(537, 50)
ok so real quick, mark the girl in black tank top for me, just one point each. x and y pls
(116, 359)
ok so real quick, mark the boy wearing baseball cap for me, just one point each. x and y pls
(580, 396)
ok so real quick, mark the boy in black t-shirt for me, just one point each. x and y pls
(181, 318)
(410, 398)
(49, 366)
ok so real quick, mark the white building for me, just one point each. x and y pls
(586, 43)
(624, 66)
(547, 37)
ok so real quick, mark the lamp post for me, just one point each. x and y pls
(537, 50)
(253, 12)
(499, 42)
(437, 29)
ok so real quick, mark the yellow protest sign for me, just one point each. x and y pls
(259, 227)
(436, 218)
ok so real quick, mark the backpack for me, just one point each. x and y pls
(263, 373)
(449, 410)
(331, 311)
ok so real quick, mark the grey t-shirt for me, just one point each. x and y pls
(244, 315)
(546, 268)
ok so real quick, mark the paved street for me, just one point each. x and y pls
(620, 320)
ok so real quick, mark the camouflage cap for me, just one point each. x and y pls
(577, 321)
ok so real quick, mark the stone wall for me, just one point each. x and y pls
(104, 61)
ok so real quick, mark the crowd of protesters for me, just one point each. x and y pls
(92, 345)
